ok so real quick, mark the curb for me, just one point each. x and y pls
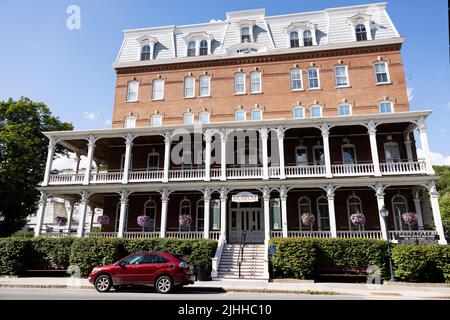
(44, 286)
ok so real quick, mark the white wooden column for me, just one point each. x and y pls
(325, 129)
(167, 142)
(418, 208)
(283, 196)
(76, 166)
(91, 223)
(408, 148)
(372, 131)
(223, 155)
(70, 217)
(41, 213)
(330, 189)
(264, 134)
(206, 212)
(421, 125)
(379, 193)
(90, 157)
(280, 135)
(48, 165)
(164, 204)
(434, 199)
(82, 211)
(266, 198)
(223, 213)
(208, 137)
(123, 213)
(127, 161)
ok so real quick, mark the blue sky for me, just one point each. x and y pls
(71, 70)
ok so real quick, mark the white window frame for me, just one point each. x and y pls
(391, 143)
(203, 113)
(398, 219)
(129, 118)
(353, 196)
(190, 212)
(300, 79)
(146, 205)
(195, 48)
(316, 161)
(290, 39)
(309, 79)
(299, 209)
(387, 72)
(188, 114)
(240, 111)
(156, 116)
(306, 152)
(258, 82)
(303, 38)
(185, 87)
(249, 33)
(155, 92)
(350, 111)
(346, 76)
(200, 203)
(349, 145)
(256, 110)
(152, 154)
(384, 102)
(365, 29)
(319, 216)
(298, 108)
(149, 52)
(208, 79)
(235, 83)
(200, 47)
(313, 107)
(129, 91)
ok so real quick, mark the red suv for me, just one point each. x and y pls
(164, 271)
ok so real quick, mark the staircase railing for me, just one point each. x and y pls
(241, 251)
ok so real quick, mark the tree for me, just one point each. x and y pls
(443, 186)
(23, 154)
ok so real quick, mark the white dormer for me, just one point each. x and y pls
(361, 25)
(246, 30)
(301, 34)
(198, 44)
(147, 47)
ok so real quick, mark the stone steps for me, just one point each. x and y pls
(252, 266)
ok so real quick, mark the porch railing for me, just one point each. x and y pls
(313, 234)
(410, 167)
(66, 178)
(101, 234)
(58, 234)
(106, 177)
(140, 235)
(360, 234)
(215, 173)
(143, 176)
(274, 172)
(244, 173)
(352, 169)
(186, 174)
(276, 234)
(305, 171)
(185, 234)
(215, 235)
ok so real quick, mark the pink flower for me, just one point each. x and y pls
(358, 219)
(103, 220)
(308, 219)
(185, 221)
(60, 221)
(410, 218)
(143, 221)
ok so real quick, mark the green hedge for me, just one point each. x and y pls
(18, 255)
(294, 257)
(424, 263)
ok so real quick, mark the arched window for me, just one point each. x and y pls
(361, 33)
(239, 115)
(132, 90)
(298, 112)
(256, 114)
(188, 118)
(191, 49)
(156, 120)
(307, 38)
(294, 39)
(323, 216)
(200, 215)
(189, 86)
(353, 206)
(381, 72)
(185, 209)
(255, 82)
(296, 79)
(203, 117)
(345, 109)
(245, 34)
(150, 211)
(239, 83)
(158, 89)
(341, 76)
(315, 111)
(130, 122)
(399, 206)
(304, 206)
(205, 86)
(386, 107)
(145, 52)
(313, 78)
(203, 48)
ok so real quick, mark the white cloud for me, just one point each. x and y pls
(63, 162)
(92, 116)
(437, 159)
(410, 92)
(448, 105)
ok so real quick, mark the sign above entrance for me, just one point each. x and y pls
(244, 197)
(245, 48)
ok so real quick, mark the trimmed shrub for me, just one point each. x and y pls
(12, 256)
(421, 263)
(294, 257)
(49, 253)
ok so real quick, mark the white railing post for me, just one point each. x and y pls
(266, 198)
(164, 203)
(325, 129)
(167, 143)
(41, 213)
(264, 134)
(82, 210)
(223, 213)
(280, 135)
(372, 131)
(421, 124)
(330, 189)
(379, 193)
(206, 208)
(70, 217)
(208, 137)
(127, 161)
(48, 166)
(283, 196)
(434, 199)
(90, 157)
(123, 214)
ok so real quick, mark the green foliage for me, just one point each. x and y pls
(23, 153)
(23, 234)
(421, 263)
(12, 256)
(49, 253)
(443, 184)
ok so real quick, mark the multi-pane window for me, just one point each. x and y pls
(189, 87)
(200, 215)
(391, 152)
(256, 114)
(341, 76)
(399, 207)
(307, 38)
(301, 156)
(205, 86)
(345, 110)
(381, 72)
(323, 214)
(188, 118)
(185, 210)
(203, 117)
(145, 52)
(191, 49)
(353, 206)
(239, 115)
(361, 33)
(348, 154)
(203, 48)
(385, 107)
(304, 206)
(319, 155)
(239, 82)
(158, 89)
(132, 91)
(316, 111)
(296, 79)
(294, 39)
(150, 211)
(313, 78)
(130, 122)
(245, 34)
(153, 161)
(298, 112)
(255, 82)
(156, 121)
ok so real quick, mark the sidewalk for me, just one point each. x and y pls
(404, 290)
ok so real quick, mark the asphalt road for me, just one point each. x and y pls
(149, 294)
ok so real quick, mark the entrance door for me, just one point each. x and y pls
(248, 220)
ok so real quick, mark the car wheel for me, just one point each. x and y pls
(103, 283)
(164, 284)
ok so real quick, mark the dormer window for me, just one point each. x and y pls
(245, 34)
(203, 48)
(145, 52)
(361, 32)
(191, 49)
(294, 39)
(307, 38)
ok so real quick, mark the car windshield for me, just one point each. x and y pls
(131, 260)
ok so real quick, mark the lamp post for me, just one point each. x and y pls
(384, 213)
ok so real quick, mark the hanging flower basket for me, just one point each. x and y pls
(143, 221)
(103, 220)
(358, 219)
(410, 218)
(308, 219)
(185, 221)
(61, 221)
